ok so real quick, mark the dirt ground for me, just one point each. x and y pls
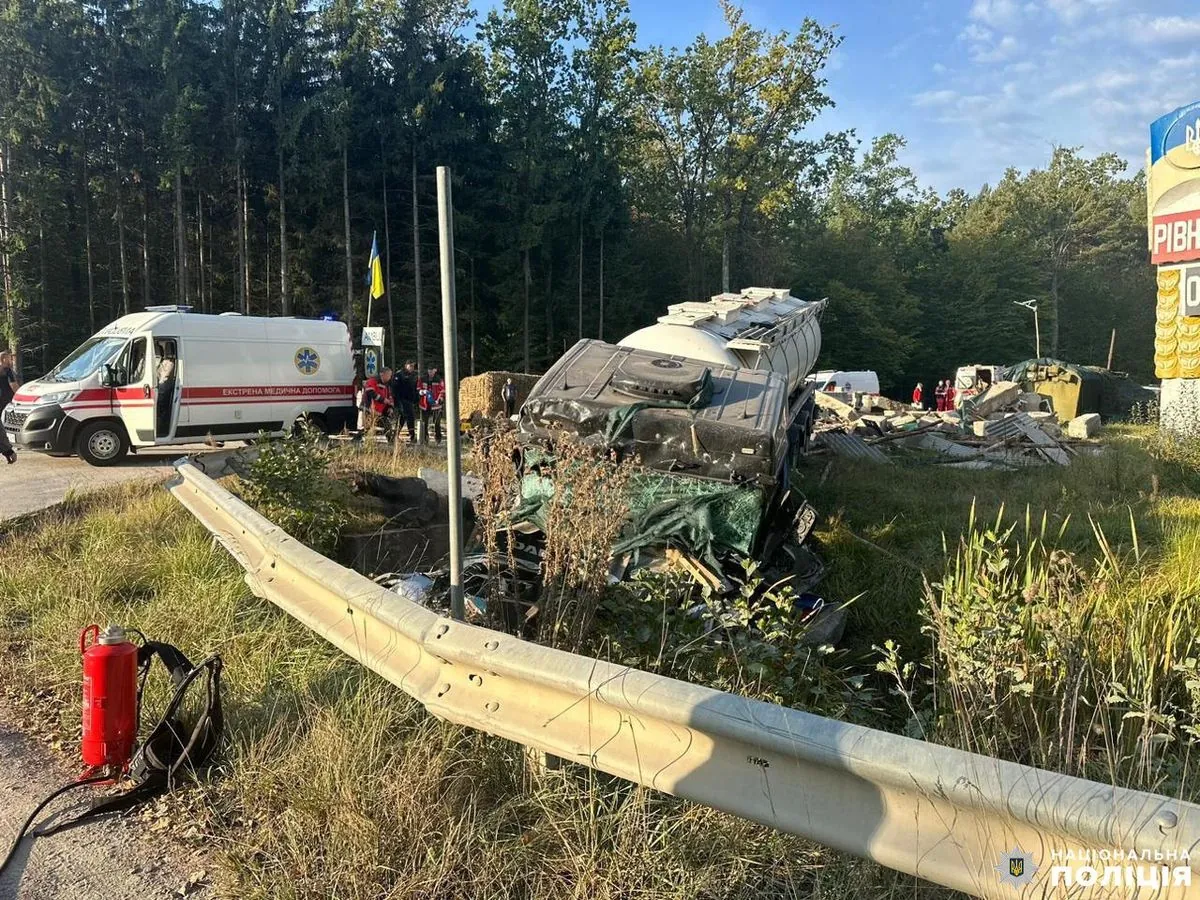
(120, 859)
(123, 858)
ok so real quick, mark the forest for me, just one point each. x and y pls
(240, 155)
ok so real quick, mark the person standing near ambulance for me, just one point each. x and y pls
(8, 390)
(404, 389)
(432, 393)
(377, 400)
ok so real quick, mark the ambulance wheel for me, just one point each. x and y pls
(102, 443)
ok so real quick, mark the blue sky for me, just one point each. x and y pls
(976, 86)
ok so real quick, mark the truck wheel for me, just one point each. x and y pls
(102, 443)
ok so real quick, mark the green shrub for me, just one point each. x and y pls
(289, 483)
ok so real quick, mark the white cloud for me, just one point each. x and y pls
(1163, 29)
(1112, 81)
(975, 33)
(998, 52)
(1026, 75)
(1069, 90)
(1072, 11)
(996, 13)
(935, 98)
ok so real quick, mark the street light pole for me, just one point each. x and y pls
(1032, 304)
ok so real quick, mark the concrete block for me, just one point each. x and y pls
(1001, 395)
(1029, 402)
(1084, 427)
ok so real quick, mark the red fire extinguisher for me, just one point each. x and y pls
(110, 710)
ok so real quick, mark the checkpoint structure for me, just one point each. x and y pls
(1173, 224)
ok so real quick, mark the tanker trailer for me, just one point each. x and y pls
(712, 403)
(759, 328)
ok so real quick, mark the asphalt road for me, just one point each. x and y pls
(127, 858)
(36, 480)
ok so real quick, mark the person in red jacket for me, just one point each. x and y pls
(939, 394)
(951, 394)
(377, 399)
(431, 392)
(918, 395)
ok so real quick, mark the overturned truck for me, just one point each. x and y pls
(711, 403)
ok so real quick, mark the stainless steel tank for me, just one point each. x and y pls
(758, 328)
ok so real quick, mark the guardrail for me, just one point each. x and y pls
(944, 815)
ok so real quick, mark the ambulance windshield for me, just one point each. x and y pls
(86, 360)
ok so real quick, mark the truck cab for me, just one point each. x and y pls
(167, 376)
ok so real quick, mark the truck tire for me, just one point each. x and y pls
(102, 443)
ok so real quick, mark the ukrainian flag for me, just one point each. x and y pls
(376, 271)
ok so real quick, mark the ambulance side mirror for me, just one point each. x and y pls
(112, 377)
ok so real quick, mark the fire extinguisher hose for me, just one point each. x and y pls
(24, 829)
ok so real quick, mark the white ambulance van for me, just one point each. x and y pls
(170, 376)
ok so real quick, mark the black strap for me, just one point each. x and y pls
(170, 747)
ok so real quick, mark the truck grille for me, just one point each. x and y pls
(13, 420)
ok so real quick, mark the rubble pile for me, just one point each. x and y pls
(1002, 428)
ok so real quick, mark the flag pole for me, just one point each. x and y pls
(371, 278)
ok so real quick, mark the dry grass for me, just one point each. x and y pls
(334, 783)
(584, 518)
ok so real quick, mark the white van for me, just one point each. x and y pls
(970, 381)
(168, 376)
(866, 382)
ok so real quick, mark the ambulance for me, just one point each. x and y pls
(170, 376)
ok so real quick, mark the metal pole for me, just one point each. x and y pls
(450, 363)
(1037, 333)
(1112, 345)
(472, 259)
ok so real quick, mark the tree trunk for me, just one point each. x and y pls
(1054, 312)
(87, 243)
(267, 276)
(45, 311)
(387, 262)
(121, 251)
(181, 292)
(472, 315)
(145, 246)
(725, 261)
(346, 223)
(525, 282)
(551, 351)
(243, 243)
(200, 252)
(12, 321)
(690, 250)
(581, 281)
(600, 330)
(416, 230)
(285, 285)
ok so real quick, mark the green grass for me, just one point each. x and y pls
(885, 530)
(336, 784)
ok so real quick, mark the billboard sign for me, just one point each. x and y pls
(1175, 138)
(1175, 237)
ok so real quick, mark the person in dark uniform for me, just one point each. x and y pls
(404, 388)
(508, 394)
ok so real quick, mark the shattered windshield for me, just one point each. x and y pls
(87, 359)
